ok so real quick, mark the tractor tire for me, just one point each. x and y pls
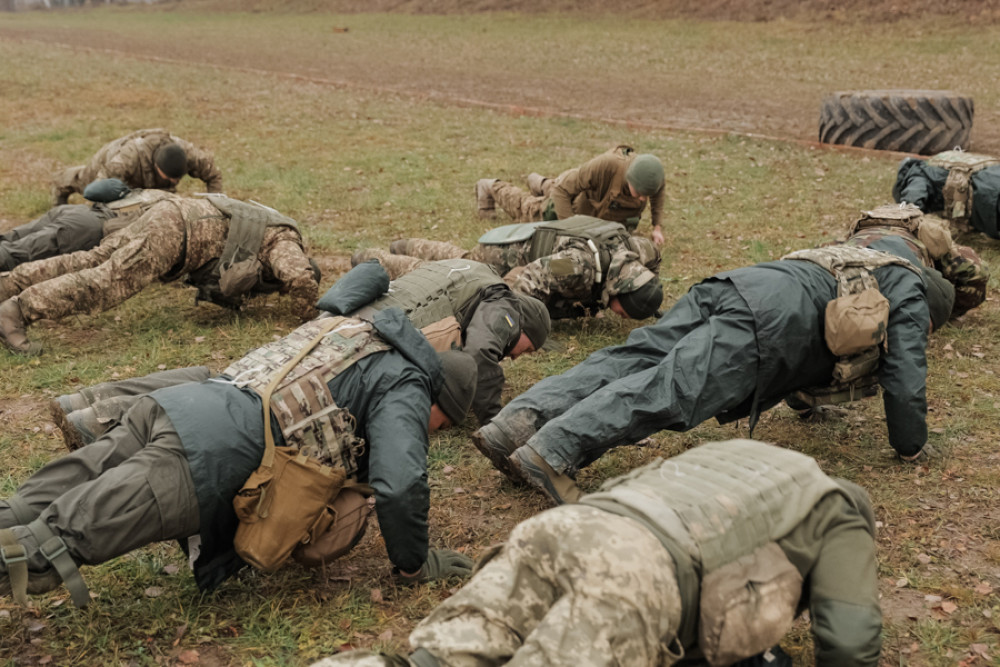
(909, 121)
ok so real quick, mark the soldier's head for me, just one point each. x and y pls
(645, 175)
(457, 390)
(535, 325)
(940, 297)
(640, 303)
(171, 162)
(648, 253)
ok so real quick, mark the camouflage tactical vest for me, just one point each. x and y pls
(602, 236)
(957, 190)
(437, 290)
(715, 504)
(306, 412)
(853, 376)
(123, 212)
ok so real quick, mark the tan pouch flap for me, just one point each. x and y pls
(856, 322)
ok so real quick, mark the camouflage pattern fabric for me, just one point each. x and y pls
(130, 159)
(961, 265)
(174, 236)
(520, 205)
(394, 265)
(573, 586)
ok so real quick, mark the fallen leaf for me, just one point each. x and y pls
(902, 582)
(984, 588)
(153, 592)
(949, 607)
(189, 657)
(385, 636)
(44, 660)
(924, 559)
(170, 569)
(448, 470)
(980, 649)
(376, 595)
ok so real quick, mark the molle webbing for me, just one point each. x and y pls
(850, 266)
(437, 290)
(957, 190)
(309, 418)
(605, 235)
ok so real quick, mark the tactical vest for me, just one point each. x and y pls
(126, 210)
(715, 504)
(854, 376)
(602, 237)
(957, 190)
(308, 416)
(933, 237)
(438, 290)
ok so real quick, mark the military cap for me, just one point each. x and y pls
(535, 321)
(106, 190)
(642, 302)
(645, 174)
(172, 160)
(460, 374)
(940, 297)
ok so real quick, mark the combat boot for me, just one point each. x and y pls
(79, 427)
(494, 444)
(536, 471)
(12, 330)
(485, 206)
(536, 183)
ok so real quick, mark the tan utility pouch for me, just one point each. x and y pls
(340, 526)
(280, 504)
(748, 605)
(935, 236)
(444, 335)
(240, 278)
(855, 322)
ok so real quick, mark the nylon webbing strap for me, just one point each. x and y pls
(53, 548)
(15, 558)
(21, 509)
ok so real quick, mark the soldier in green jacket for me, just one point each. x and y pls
(575, 266)
(173, 468)
(493, 323)
(701, 559)
(151, 159)
(614, 186)
(735, 345)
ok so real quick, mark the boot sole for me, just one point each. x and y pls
(71, 437)
(498, 457)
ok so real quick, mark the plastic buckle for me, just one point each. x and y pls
(10, 560)
(59, 552)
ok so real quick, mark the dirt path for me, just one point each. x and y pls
(693, 101)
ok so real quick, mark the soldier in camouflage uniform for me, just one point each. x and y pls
(930, 242)
(173, 468)
(73, 227)
(702, 559)
(145, 159)
(735, 345)
(575, 266)
(614, 186)
(175, 236)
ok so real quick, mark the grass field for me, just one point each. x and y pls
(384, 156)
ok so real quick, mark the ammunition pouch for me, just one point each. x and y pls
(747, 605)
(957, 191)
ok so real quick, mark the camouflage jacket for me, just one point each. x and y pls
(130, 159)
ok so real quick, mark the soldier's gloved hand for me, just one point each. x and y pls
(440, 564)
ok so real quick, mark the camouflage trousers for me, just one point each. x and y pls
(103, 277)
(68, 181)
(573, 586)
(520, 205)
(503, 258)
